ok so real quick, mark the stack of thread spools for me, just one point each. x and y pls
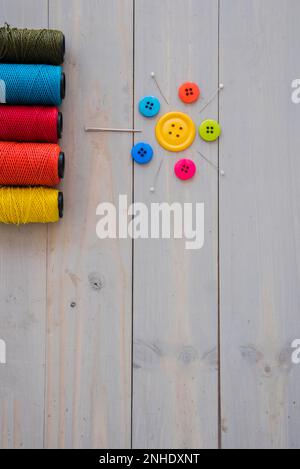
(32, 86)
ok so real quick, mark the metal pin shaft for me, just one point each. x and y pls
(220, 88)
(108, 129)
(221, 171)
(159, 88)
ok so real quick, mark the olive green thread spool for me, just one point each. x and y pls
(34, 46)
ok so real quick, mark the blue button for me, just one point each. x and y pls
(142, 153)
(149, 106)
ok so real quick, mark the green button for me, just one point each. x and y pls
(210, 130)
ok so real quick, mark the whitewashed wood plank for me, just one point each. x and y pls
(89, 281)
(259, 223)
(22, 299)
(175, 387)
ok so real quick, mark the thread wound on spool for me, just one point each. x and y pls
(34, 46)
(30, 123)
(32, 84)
(23, 164)
(19, 205)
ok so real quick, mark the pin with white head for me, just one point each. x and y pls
(212, 97)
(220, 171)
(152, 188)
(152, 74)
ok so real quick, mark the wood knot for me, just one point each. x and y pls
(251, 354)
(96, 281)
(187, 355)
(146, 355)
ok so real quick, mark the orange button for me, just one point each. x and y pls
(189, 92)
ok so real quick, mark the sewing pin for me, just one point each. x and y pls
(152, 188)
(108, 129)
(220, 171)
(159, 88)
(220, 88)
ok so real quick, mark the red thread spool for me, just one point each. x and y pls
(30, 123)
(31, 164)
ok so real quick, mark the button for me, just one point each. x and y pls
(175, 131)
(210, 130)
(185, 169)
(149, 106)
(189, 92)
(142, 153)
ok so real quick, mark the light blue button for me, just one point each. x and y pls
(142, 153)
(149, 106)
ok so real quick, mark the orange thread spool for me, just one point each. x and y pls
(31, 164)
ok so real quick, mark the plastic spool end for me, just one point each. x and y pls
(63, 47)
(61, 165)
(60, 204)
(59, 125)
(63, 86)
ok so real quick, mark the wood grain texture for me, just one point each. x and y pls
(259, 224)
(89, 280)
(175, 389)
(67, 298)
(23, 300)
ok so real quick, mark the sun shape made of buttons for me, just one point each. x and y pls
(175, 131)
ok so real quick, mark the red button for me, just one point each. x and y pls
(189, 92)
(185, 169)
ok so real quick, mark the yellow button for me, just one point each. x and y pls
(175, 131)
(210, 130)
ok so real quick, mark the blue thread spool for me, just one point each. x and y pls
(31, 84)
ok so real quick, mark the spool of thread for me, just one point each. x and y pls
(31, 164)
(20, 205)
(30, 123)
(33, 46)
(32, 84)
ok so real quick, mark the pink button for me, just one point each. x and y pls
(185, 169)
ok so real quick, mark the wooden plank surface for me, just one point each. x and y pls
(259, 223)
(89, 280)
(70, 302)
(175, 388)
(23, 300)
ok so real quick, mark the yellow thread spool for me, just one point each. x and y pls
(20, 205)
